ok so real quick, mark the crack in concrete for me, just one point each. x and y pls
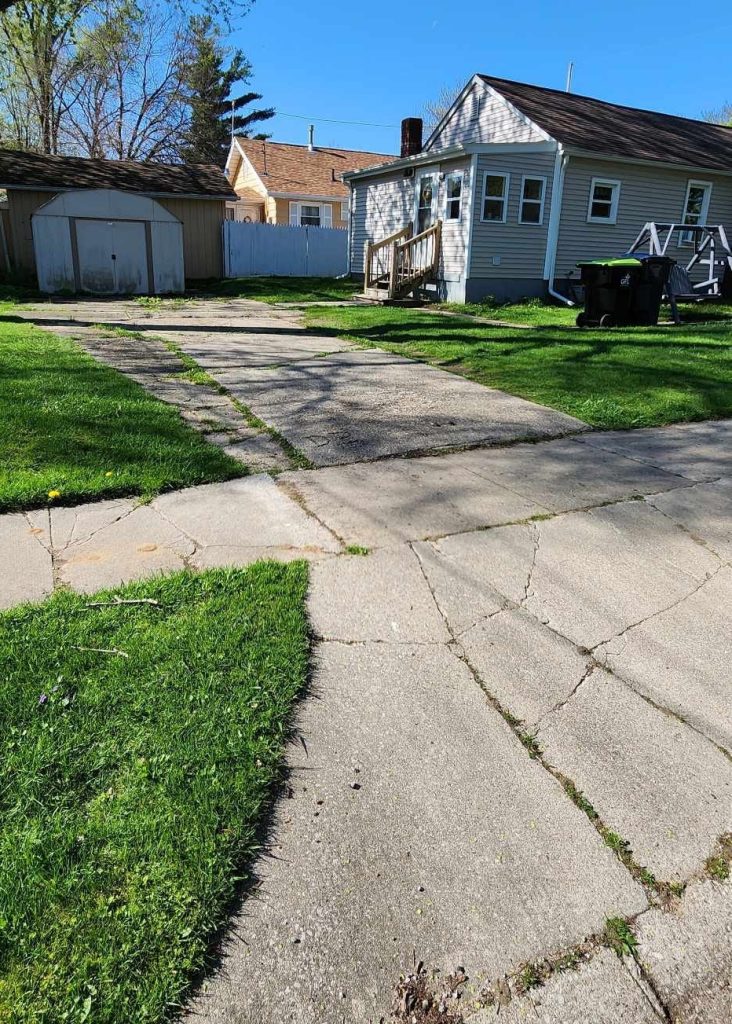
(535, 530)
(85, 540)
(659, 611)
(591, 666)
(680, 526)
(38, 536)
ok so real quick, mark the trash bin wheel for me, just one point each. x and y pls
(607, 320)
(581, 320)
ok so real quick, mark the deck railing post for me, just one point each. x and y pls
(394, 270)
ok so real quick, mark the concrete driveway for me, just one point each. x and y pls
(519, 727)
(334, 402)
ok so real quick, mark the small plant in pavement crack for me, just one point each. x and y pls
(356, 549)
(619, 936)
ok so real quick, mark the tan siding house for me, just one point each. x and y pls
(549, 178)
(280, 183)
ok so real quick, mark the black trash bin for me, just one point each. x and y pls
(623, 291)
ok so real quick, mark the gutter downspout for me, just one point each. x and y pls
(350, 233)
(552, 241)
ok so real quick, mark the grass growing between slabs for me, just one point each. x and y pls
(283, 289)
(140, 745)
(612, 379)
(71, 425)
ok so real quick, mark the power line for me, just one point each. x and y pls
(334, 120)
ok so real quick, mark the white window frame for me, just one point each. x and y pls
(616, 186)
(325, 214)
(345, 211)
(522, 199)
(684, 238)
(461, 175)
(435, 175)
(506, 191)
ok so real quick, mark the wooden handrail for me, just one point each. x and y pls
(374, 247)
(406, 262)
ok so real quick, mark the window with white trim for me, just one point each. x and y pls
(425, 202)
(495, 196)
(604, 198)
(531, 208)
(344, 211)
(314, 215)
(696, 208)
(453, 195)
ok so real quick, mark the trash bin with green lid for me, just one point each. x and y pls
(624, 290)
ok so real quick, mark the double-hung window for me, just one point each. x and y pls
(309, 215)
(314, 215)
(531, 210)
(604, 198)
(495, 196)
(453, 195)
(696, 208)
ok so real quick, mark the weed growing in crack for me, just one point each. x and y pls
(647, 877)
(577, 797)
(530, 743)
(357, 549)
(619, 936)
(617, 844)
(529, 977)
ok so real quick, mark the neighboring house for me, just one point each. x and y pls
(279, 183)
(526, 181)
(109, 226)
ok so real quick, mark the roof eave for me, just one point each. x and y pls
(673, 165)
(407, 161)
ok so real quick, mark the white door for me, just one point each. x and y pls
(112, 256)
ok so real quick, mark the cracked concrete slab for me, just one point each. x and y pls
(367, 404)
(448, 845)
(386, 503)
(383, 596)
(599, 572)
(698, 451)
(681, 658)
(129, 547)
(688, 953)
(27, 570)
(247, 513)
(600, 991)
(705, 510)
(460, 579)
(80, 522)
(521, 663)
(652, 779)
(565, 474)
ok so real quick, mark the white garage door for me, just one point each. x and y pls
(112, 256)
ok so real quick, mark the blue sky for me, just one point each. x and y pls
(382, 60)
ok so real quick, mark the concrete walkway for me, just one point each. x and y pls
(520, 726)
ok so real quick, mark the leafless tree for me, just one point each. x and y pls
(436, 108)
(723, 115)
(126, 97)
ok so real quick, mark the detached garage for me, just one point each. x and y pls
(113, 227)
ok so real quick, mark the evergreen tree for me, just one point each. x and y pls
(208, 87)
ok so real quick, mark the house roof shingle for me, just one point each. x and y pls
(601, 127)
(35, 170)
(295, 170)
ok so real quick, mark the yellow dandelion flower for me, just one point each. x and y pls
(54, 494)
(109, 473)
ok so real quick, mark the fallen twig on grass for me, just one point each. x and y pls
(120, 600)
(103, 650)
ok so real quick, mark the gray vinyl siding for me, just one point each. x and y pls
(646, 194)
(484, 116)
(521, 247)
(383, 205)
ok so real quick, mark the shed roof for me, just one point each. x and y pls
(630, 132)
(296, 170)
(61, 173)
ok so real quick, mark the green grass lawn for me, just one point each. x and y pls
(613, 379)
(283, 289)
(73, 425)
(133, 787)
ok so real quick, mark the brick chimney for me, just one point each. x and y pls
(411, 136)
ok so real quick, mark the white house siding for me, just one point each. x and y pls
(520, 248)
(647, 193)
(384, 205)
(484, 116)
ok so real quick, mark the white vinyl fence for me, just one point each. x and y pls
(261, 250)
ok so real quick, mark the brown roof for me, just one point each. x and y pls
(602, 127)
(294, 170)
(35, 170)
